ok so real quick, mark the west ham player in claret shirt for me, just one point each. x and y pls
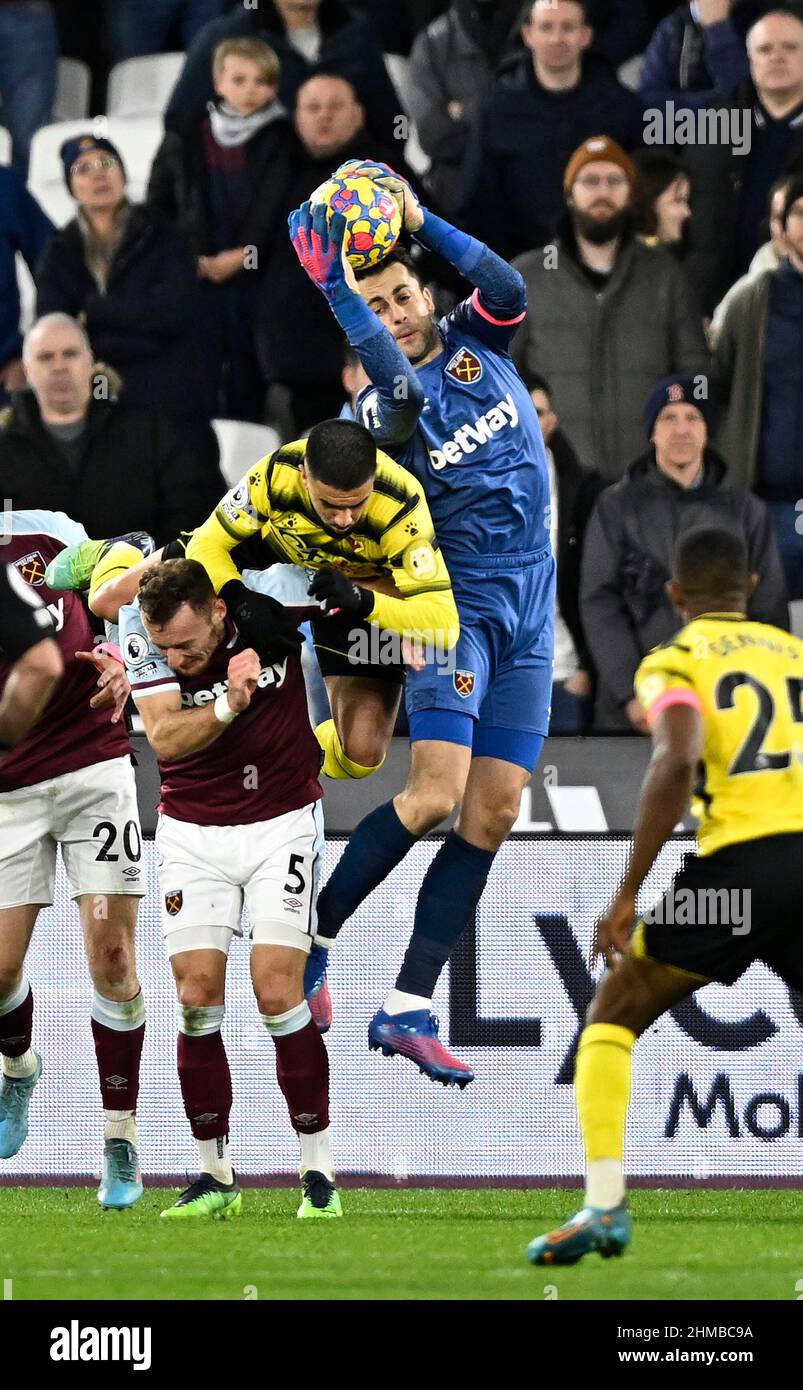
(70, 783)
(239, 823)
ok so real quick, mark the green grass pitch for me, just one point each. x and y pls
(56, 1243)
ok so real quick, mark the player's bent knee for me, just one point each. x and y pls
(112, 968)
(623, 997)
(199, 993)
(10, 979)
(277, 997)
(431, 802)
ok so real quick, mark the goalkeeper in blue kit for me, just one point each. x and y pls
(446, 401)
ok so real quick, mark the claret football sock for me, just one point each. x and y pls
(16, 1027)
(379, 843)
(203, 1072)
(336, 764)
(118, 1028)
(451, 889)
(302, 1068)
(602, 1093)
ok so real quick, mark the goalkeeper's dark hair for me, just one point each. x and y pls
(398, 256)
(164, 588)
(712, 561)
(340, 454)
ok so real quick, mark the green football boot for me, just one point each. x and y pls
(321, 1198)
(72, 567)
(207, 1197)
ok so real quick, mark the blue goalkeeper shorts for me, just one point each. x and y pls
(493, 694)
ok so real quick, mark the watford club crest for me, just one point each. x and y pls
(32, 568)
(464, 683)
(465, 367)
(173, 903)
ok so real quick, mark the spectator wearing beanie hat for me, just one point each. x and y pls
(130, 279)
(608, 316)
(759, 376)
(543, 105)
(680, 482)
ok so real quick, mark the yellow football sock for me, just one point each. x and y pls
(602, 1088)
(335, 763)
(119, 558)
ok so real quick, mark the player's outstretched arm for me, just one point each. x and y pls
(499, 302)
(399, 398)
(677, 733)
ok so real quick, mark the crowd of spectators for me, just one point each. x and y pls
(640, 161)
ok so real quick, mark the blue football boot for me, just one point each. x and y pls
(415, 1035)
(593, 1228)
(316, 988)
(15, 1098)
(121, 1184)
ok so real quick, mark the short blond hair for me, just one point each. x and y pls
(255, 51)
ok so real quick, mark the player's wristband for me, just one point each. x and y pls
(112, 650)
(223, 710)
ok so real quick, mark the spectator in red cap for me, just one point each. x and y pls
(130, 278)
(542, 106)
(679, 483)
(607, 314)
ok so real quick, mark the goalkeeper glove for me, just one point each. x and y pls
(336, 591)
(262, 622)
(318, 243)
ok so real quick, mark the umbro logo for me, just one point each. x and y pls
(116, 1082)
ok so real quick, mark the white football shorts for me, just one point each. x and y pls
(208, 873)
(92, 814)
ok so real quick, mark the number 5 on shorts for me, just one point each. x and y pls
(293, 872)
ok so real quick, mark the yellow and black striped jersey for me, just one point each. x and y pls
(394, 538)
(746, 679)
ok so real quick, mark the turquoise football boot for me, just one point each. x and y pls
(15, 1098)
(121, 1184)
(593, 1228)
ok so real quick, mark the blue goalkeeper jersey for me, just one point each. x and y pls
(477, 449)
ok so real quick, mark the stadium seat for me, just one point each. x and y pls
(137, 138)
(5, 145)
(241, 444)
(72, 90)
(629, 73)
(27, 291)
(142, 86)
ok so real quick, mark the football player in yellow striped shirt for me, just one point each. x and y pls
(336, 505)
(725, 703)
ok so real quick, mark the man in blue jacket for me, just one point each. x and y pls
(24, 228)
(697, 55)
